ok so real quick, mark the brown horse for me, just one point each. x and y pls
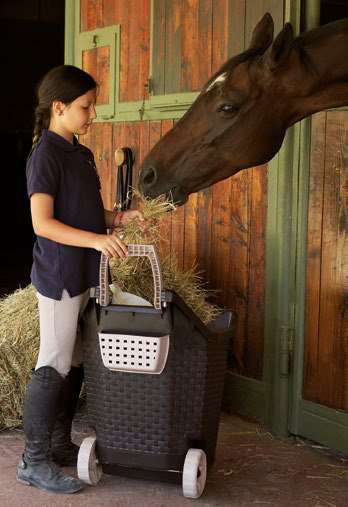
(240, 118)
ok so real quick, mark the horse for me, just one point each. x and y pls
(240, 117)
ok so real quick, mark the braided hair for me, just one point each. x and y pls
(64, 83)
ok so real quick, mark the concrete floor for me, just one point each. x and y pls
(252, 468)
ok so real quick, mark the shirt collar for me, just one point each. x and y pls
(59, 140)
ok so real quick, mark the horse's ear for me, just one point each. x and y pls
(262, 36)
(281, 47)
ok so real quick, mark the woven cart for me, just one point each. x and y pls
(154, 382)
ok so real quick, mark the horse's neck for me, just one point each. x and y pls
(317, 75)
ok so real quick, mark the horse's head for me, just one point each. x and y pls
(237, 121)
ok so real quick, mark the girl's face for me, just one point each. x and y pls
(76, 117)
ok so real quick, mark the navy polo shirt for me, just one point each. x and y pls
(67, 172)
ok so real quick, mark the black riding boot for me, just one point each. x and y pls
(40, 412)
(64, 451)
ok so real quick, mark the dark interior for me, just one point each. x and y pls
(32, 38)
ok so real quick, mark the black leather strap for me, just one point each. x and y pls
(124, 193)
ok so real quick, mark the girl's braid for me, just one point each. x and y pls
(42, 121)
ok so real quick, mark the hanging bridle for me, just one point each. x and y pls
(124, 194)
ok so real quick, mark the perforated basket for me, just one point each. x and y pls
(132, 353)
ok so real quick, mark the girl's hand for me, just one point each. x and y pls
(111, 246)
(136, 214)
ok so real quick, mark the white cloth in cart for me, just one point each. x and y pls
(125, 298)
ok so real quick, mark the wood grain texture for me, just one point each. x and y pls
(178, 235)
(97, 63)
(196, 44)
(236, 13)
(172, 70)
(91, 14)
(326, 354)
(220, 35)
(331, 359)
(159, 41)
(237, 290)
(256, 270)
(166, 229)
(315, 223)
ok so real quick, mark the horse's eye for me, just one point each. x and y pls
(228, 108)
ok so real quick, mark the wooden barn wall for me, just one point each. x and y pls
(223, 227)
(326, 329)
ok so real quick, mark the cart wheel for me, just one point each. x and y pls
(194, 473)
(87, 464)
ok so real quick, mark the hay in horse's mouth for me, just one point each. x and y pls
(175, 196)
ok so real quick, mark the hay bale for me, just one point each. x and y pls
(19, 345)
(19, 321)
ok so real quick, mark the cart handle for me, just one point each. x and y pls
(133, 251)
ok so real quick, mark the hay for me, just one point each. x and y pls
(19, 345)
(19, 321)
(134, 274)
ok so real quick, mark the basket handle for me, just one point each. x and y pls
(133, 251)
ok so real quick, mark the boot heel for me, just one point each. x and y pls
(23, 481)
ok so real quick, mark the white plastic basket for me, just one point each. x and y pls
(132, 353)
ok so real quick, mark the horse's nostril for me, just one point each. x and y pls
(149, 176)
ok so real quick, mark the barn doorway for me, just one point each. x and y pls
(32, 38)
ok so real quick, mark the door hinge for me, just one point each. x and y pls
(286, 349)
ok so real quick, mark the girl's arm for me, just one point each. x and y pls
(120, 218)
(46, 226)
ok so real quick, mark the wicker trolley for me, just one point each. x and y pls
(154, 381)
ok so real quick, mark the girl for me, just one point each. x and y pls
(71, 227)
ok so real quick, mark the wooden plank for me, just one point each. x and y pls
(220, 34)
(91, 14)
(196, 44)
(104, 160)
(138, 48)
(144, 49)
(178, 233)
(204, 246)
(144, 139)
(124, 15)
(166, 229)
(99, 141)
(236, 12)
(313, 268)
(220, 239)
(97, 63)
(111, 12)
(159, 42)
(173, 46)
(257, 271)
(191, 232)
(237, 289)
(331, 360)
(203, 59)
